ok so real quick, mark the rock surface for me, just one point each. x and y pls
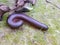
(28, 35)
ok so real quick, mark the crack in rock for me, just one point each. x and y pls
(51, 2)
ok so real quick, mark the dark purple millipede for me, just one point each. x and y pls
(22, 18)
